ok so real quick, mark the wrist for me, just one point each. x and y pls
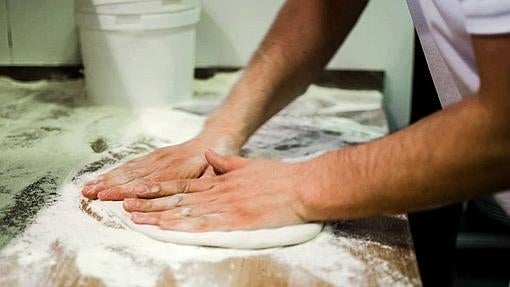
(238, 118)
(221, 142)
(223, 137)
(310, 191)
(322, 192)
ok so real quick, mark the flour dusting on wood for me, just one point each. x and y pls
(52, 236)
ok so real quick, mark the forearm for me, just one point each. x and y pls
(459, 153)
(299, 44)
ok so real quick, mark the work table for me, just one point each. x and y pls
(50, 136)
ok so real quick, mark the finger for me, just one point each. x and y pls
(224, 164)
(188, 212)
(124, 176)
(209, 172)
(174, 201)
(155, 218)
(92, 190)
(217, 221)
(172, 187)
(217, 218)
(120, 192)
(89, 191)
(146, 217)
(149, 205)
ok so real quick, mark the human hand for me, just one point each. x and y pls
(143, 174)
(246, 194)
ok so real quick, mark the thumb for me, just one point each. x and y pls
(223, 164)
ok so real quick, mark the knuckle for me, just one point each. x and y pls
(182, 186)
(134, 204)
(164, 219)
(146, 204)
(153, 188)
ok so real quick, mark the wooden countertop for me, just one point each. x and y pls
(32, 114)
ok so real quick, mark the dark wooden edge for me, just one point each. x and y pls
(34, 73)
(346, 79)
(352, 79)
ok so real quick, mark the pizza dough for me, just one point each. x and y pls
(242, 239)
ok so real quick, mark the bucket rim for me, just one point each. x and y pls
(134, 7)
(163, 20)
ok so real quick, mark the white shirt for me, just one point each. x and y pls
(450, 26)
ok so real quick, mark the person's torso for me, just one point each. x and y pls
(447, 26)
(447, 35)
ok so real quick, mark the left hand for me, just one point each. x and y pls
(246, 194)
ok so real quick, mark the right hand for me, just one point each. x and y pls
(141, 175)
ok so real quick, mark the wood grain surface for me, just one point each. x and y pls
(31, 114)
(388, 237)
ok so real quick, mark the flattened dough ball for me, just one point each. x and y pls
(241, 239)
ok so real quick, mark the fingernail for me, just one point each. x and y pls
(85, 189)
(89, 189)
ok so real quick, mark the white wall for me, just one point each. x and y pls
(43, 33)
(382, 40)
(5, 56)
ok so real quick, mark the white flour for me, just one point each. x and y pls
(120, 257)
(102, 249)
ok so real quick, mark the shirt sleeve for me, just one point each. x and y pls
(487, 16)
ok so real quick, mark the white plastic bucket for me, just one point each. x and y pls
(138, 54)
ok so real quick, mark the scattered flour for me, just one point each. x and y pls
(104, 250)
(74, 235)
(120, 257)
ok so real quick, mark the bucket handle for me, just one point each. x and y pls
(107, 2)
